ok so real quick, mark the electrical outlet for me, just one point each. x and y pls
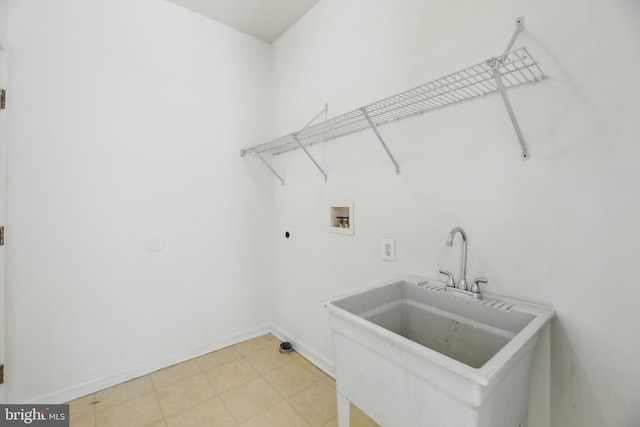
(388, 249)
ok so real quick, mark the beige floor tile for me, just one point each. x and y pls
(88, 421)
(316, 371)
(232, 374)
(138, 412)
(179, 396)
(357, 418)
(250, 399)
(332, 423)
(250, 383)
(82, 408)
(317, 404)
(210, 413)
(255, 344)
(292, 378)
(123, 392)
(175, 373)
(281, 415)
(268, 359)
(217, 358)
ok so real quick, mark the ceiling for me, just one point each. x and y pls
(264, 19)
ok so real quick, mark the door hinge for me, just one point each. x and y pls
(1, 237)
(1, 374)
(3, 99)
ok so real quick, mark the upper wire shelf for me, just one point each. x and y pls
(513, 68)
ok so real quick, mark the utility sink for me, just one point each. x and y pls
(410, 354)
(468, 331)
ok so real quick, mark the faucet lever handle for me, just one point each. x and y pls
(476, 282)
(451, 282)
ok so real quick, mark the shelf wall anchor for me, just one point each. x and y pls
(295, 136)
(375, 130)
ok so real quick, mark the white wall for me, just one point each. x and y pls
(3, 18)
(560, 229)
(126, 121)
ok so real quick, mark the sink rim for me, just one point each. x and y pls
(484, 375)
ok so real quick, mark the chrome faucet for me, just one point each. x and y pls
(462, 283)
(461, 288)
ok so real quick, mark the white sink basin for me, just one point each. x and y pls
(410, 354)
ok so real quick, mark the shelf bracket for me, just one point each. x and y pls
(325, 111)
(295, 136)
(375, 130)
(519, 28)
(269, 166)
(244, 152)
(494, 64)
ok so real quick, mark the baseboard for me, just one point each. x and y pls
(305, 350)
(93, 386)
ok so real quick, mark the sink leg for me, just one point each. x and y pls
(344, 406)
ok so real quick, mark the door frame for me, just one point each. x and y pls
(4, 72)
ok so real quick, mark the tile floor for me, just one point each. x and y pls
(249, 384)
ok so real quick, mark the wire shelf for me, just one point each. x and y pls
(515, 68)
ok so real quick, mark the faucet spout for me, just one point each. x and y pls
(462, 283)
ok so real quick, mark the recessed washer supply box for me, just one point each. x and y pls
(341, 218)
